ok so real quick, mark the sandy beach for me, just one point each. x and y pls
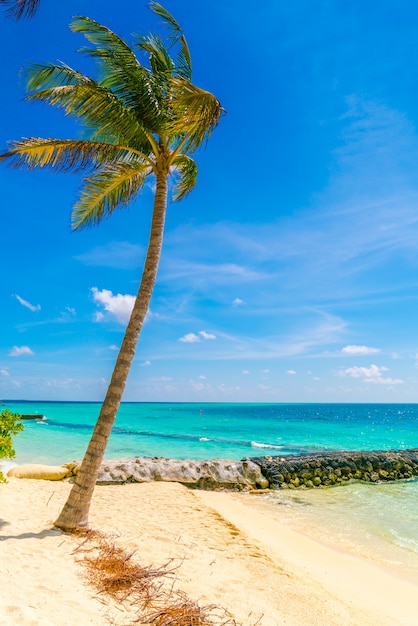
(228, 552)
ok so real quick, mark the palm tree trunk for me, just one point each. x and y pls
(75, 512)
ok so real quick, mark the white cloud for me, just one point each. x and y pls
(245, 371)
(20, 351)
(265, 371)
(193, 338)
(237, 302)
(225, 389)
(113, 347)
(197, 386)
(190, 338)
(28, 305)
(202, 377)
(263, 387)
(119, 306)
(4, 372)
(206, 335)
(145, 364)
(372, 374)
(291, 372)
(359, 350)
(162, 378)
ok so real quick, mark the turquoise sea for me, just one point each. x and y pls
(378, 521)
(203, 431)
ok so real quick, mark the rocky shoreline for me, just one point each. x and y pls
(304, 471)
(325, 469)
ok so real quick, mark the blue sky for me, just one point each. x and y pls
(289, 274)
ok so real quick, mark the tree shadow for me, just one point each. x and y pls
(47, 532)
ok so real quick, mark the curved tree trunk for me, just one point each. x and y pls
(75, 512)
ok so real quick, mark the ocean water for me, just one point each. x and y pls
(379, 522)
(204, 431)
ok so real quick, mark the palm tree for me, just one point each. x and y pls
(21, 8)
(145, 119)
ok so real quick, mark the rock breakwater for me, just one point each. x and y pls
(304, 471)
(210, 475)
(333, 468)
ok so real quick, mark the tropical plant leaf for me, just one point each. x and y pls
(184, 62)
(21, 8)
(160, 61)
(84, 98)
(49, 75)
(196, 112)
(121, 71)
(61, 155)
(141, 117)
(111, 187)
(185, 171)
(103, 38)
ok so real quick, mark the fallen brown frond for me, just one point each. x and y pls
(114, 572)
(110, 570)
(180, 610)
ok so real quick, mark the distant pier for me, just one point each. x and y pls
(33, 417)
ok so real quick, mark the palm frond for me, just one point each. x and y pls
(183, 65)
(21, 8)
(61, 155)
(111, 187)
(184, 62)
(103, 38)
(48, 75)
(159, 59)
(122, 72)
(137, 115)
(186, 173)
(196, 113)
(84, 98)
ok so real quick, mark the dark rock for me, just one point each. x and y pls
(330, 468)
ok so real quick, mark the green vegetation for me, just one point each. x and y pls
(10, 426)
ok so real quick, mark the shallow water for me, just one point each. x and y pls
(376, 521)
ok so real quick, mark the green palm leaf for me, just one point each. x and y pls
(21, 8)
(84, 98)
(61, 155)
(186, 173)
(196, 112)
(184, 62)
(160, 61)
(113, 186)
(122, 72)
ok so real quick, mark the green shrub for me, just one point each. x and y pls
(10, 426)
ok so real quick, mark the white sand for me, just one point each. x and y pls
(230, 554)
